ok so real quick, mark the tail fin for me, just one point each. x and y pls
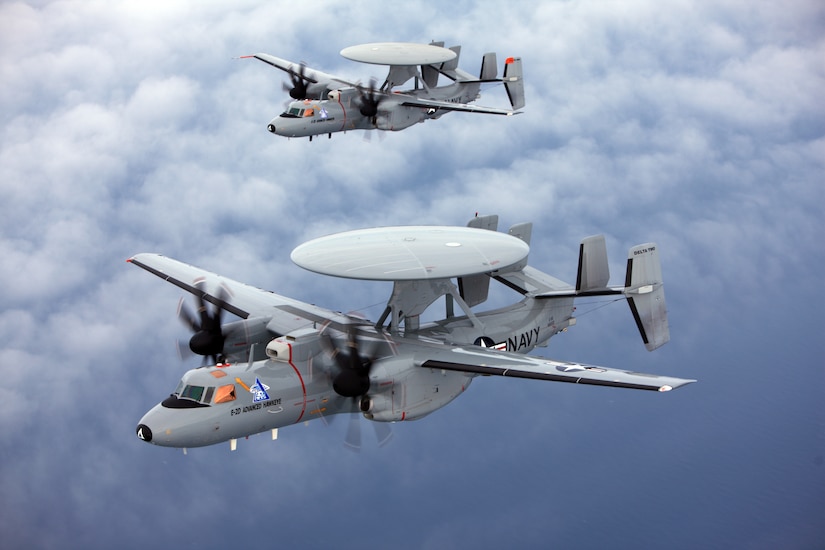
(430, 72)
(645, 294)
(514, 82)
(452, 65)
(593, 273)
(489, 68)
(474, 289)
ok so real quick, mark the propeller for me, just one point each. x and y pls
(368, 101)
(208, 337)
(298, 90)
(352, 380)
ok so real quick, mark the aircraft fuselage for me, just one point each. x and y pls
(225, 402)
(230, 401)
(340, 113)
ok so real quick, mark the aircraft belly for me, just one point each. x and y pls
(400, 118)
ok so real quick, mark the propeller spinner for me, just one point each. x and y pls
(369, 100)
(298, 90)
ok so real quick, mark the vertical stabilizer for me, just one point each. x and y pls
(645, 294)
(452, 64)
(475, 288)
(594, 272)
(523, 231)
(489, 67)
(429, 73)
(514, 82)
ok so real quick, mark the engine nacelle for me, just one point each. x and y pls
(299, 345)
(242, 334)
(278, 350)
(401, 390)
(344, 96)
(379, 408)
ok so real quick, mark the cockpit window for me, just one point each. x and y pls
(298, 112)
(189, 396)
(195, 393)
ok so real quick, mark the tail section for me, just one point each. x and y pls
(514, 82)
(645, 294)
(513, 78)
(643, 287)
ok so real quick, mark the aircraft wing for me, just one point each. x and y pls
(448, 106)
(245, 301)
(486, 361)
(311, 75)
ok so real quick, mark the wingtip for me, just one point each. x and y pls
(677, 385)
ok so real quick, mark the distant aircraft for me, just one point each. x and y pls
(325, 104)
(286, 361)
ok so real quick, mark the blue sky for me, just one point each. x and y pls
(131, 127)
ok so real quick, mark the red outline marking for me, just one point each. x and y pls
(301, 378)
(344, 122)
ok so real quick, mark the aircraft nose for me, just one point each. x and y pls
(271, 128)
(144, 433)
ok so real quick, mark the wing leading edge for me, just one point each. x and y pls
(284, 314)
(313, 76)
(482, 361)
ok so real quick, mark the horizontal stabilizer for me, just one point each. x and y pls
(594, 272)
(645, 294)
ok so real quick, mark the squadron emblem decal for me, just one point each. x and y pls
(258, 391)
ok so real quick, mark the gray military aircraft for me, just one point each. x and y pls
(325, 104)
(286, 361)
